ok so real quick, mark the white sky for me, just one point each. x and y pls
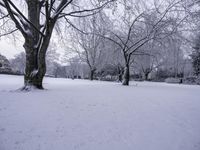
(9, 49)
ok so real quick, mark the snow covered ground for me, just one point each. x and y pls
(85, 115)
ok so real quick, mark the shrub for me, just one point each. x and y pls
(173, 80)
(198, 80)
(190, 80)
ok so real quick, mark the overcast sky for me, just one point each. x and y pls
(9, 49)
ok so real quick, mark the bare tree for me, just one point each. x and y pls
(90, 46)
(52, 59)
(37, 29)
(141, 24)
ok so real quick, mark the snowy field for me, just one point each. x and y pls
(85, 115)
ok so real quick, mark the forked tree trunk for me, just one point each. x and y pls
(32, 78)
(35, 65)
(126, 76)
(35, 55)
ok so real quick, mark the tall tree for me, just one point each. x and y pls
(37, 28)
(140, 25)
(196, 57)
(194, 12)
(88, 45)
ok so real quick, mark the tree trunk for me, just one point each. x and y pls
(92, 71)
(36, 37)
(35, 55)
(120, 77)
(120, 72)
(33, 74)
(126, 76)
(146, 76)
(32, 78)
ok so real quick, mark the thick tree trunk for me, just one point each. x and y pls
(36, 37)
(33, 82)
(35, 55)
(33, 74)
(32, 77)
(35, 68)
(126, 76)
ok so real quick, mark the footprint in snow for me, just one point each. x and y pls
(2, 129)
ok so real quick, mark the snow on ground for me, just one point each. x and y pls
(85, 115)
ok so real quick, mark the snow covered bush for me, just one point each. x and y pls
(4, 65)
(198, 80)
(172, 80)
(18, 63)
(190, 80)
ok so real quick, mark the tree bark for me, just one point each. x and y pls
(120, 73)
(32, 77)
(120, 77)
(92, 71)
(35, 67)
(146, 76)
(126, 76)
(36, 55)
